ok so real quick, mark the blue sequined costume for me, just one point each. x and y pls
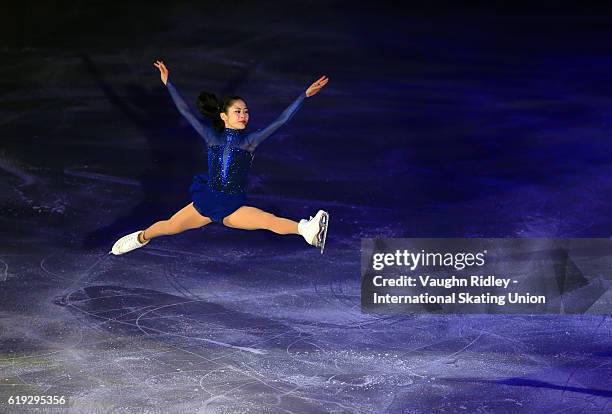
(230, 155)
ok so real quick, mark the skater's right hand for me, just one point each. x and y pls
(163, 71)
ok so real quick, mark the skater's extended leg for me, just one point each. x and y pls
(251, 218)
(314, 230)
(185, 219)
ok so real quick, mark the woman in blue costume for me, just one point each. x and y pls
(221, 195)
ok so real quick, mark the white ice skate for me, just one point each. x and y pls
(127, 244)
(314, 230)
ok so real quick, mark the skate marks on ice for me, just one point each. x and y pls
(82, 172)
(10, 167)
(305, 368)
(4, 272)
(74, 271)
(322, 354)
(459, 353)
(136, 311)
(32, 191)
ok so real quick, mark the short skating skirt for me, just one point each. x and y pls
(213, 204)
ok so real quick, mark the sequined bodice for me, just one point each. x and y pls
(230, 153)
(228, 164)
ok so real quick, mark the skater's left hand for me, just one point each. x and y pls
(317, 86)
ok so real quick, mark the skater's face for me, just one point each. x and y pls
(236, 116)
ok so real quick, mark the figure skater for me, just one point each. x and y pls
(221, 195)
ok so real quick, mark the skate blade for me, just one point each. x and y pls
(322, 235)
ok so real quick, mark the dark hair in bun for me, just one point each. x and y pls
(210, 106)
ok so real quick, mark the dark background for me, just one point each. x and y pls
(493, 117)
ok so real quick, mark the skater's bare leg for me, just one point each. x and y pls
(185, 219)
(251, 218)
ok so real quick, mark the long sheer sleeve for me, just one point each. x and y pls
(205, 131)
(255, 138)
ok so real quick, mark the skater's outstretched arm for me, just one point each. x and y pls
(205, 131)
(256, 138)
